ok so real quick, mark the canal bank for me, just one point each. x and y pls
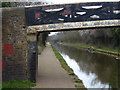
(50, 73)
(78, 83)
(93, 49)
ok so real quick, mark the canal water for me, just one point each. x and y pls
(95, 70)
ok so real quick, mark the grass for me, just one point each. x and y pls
(108, 49)
(86, 46)
(77, 45)
(18, 84)
(68, 69)
(62, 61)
(71, 73)
(78, 81)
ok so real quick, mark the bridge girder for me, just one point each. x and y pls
(73, 26)
(72, 16)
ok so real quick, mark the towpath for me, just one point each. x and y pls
(50, 73)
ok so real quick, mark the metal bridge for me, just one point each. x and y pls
(72, 16)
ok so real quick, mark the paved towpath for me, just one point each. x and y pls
(50, 72)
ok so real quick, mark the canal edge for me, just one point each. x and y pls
(77, 82)
(94, 50)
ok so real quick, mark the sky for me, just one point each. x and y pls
(57, 1)
(74, 1)
(53, 33)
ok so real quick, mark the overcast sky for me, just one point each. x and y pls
(59, 1)
(74, 1)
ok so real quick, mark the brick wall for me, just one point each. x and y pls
(14, 43)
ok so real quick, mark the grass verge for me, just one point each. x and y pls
(86, 46)
(103, 50)
(62, 61)
(78, 83)
(18, 84)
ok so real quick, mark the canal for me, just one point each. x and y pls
(95, 70)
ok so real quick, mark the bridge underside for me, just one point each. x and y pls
(73, 26)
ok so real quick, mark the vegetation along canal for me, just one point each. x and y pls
(94, 69)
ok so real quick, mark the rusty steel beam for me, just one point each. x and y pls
(73, 26)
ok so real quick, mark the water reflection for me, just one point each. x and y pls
(96, 70)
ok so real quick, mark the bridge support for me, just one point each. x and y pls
(15, 45)
(19, 54)
(32, 56)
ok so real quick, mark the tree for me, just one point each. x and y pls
(6, 4)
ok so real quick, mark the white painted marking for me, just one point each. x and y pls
(51, 10)
(60, 19)
(95, 16)
(81, 13)
(116, 11)
(66, 15)
(91, 7)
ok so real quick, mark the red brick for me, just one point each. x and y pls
(8, 49)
